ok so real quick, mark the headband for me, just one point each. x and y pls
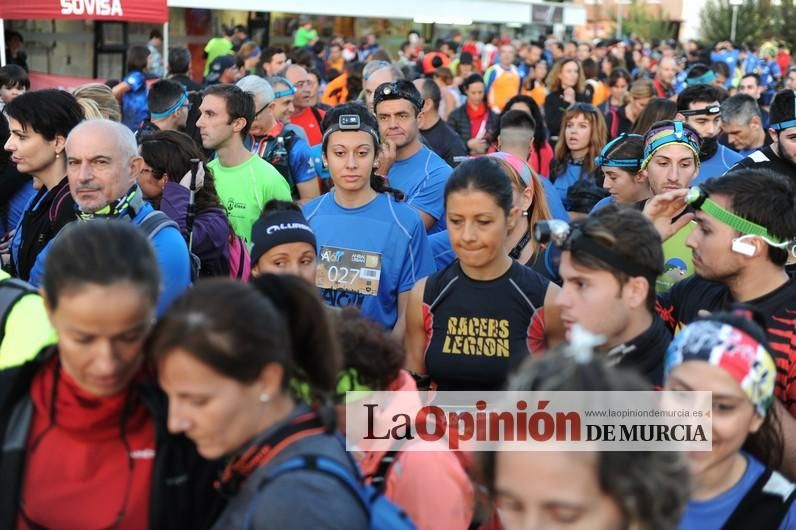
(278, 228)
(698, 198)
(779, 126)
(731, 349)
(710, 110)
(521, 167)
(603, 159)
(289, 91)
(670, 134)
(350, 122)
(171, 110)
(705, 79)
(390, 91)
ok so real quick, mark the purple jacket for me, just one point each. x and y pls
(210, 229)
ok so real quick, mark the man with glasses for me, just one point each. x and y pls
(305, 115)
(168, 106)
(700, 107)
(281, 147)
(417, 171)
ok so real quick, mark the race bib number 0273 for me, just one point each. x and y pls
(350, 270)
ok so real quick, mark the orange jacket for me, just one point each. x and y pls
(336, 91)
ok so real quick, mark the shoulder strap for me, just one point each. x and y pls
(155, 221)
(614, 123)
(765, 505)
(318, 117)
(12, 290)
(316, 463)
(379, 477)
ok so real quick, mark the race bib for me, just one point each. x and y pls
(349, 270)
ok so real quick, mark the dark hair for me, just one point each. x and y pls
(179, 60)
(365, 119)
(100, 253)
(782, 108)
(268, 54)
(617, 74)
(483, 174)
(754, 76)
(13, 76)
(163, 94)
(430, 90)
(629, 147)
(137, 58)
(658, 109)
(539, 131)
(697, 70)
(240, 104)
(170, 153)
(156, 34)
(629, 235)
(720, 67)
(517, 119)
(764, 197)
(590, 69)
(369, 349)
(698, 94)
(276, 205)
(49, 112)
(237, 330)
(650, 488)
(469, 80)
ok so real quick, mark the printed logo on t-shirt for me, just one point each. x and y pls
(477, 336)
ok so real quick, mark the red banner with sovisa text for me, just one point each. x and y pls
(39, 80)
(151, 11)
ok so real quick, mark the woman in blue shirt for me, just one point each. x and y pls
(582, 137)
(734, 486)
(372, 249)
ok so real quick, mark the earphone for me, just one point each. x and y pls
(741, 247)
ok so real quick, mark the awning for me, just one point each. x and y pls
(149, 11)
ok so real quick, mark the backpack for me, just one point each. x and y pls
(12, 290)
(154, 222)
(765, 505)
(281, 161)
(382, 513)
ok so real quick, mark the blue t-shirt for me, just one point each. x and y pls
(422, 178)
(602, 204)
(554, 201)
(717, 165)
(134, 102)
(568, 178)
(714, 513)
(383, 227)
(18, 204)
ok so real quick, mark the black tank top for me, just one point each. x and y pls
(477, 332)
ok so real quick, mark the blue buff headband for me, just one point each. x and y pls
(668, 134)
(289, 91)
(705, 79)
(171, 110)
(603, 160)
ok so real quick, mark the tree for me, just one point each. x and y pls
(754, 21)
(641, 22)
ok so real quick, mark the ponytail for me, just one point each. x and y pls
(237, 330)
(379, 183)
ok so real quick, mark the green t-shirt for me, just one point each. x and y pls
(304, 36)
(245, 189)
(27, 330)
(678, 260)
(216, 47)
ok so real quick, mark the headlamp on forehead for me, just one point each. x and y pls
(350, 122)
(603, 160)
(698, 199)
(781, 126)
(710, 110)
(573, 239)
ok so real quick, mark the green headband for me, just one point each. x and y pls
(699, 199)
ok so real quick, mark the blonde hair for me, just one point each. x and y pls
(554, 77)
(90, 109)
(642, 88)
(103, 97)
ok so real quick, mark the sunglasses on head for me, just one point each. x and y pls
(583, 107)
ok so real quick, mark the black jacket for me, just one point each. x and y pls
(554, 109)
(459, 121)
(182, 495)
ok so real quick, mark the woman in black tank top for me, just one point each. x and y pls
(471, 324)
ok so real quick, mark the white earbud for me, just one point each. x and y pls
(741, 247)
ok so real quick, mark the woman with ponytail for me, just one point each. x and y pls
(372, 248)
(250, 385)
